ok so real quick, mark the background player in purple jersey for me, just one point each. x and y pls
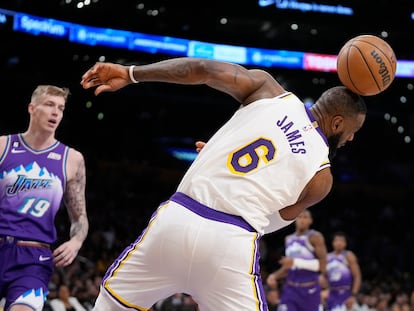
(305, 258)
(37, 174)
(343, 275)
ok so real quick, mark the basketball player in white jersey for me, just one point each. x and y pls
(268, 163)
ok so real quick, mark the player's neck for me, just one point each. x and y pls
(317, 114)
(301, 231)
(38, 140)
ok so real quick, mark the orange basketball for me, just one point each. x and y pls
(366, 64)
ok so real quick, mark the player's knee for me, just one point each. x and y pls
(31, 300)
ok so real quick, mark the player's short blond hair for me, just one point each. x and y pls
(42, 90)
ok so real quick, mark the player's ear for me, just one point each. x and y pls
(337, 123)
(30, 107)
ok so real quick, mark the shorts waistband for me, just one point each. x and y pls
(13, 240)
(209, 213)
(340, 287)
(302, 284)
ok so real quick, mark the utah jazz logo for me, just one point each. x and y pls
(249, 157)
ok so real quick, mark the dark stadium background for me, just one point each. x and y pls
(129, 167)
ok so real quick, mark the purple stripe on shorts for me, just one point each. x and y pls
(209, 213)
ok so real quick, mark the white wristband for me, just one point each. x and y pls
(307, 264)
(131, 74)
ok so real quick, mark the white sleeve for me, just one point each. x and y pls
(307, 264)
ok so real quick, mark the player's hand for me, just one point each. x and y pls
(199, 145)
(286, 262)
(66, 253)
(107, 77)
(323, 281)
(271, 281)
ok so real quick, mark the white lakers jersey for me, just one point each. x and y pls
(259, 162)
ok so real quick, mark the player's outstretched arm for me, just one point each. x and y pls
(241, 83)
(106, 77)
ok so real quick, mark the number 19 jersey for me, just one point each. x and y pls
(32, 183)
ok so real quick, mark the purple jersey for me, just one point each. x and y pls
(301, 291)
(299, 246)
(340, 281)
(338, 271)
(32, 183)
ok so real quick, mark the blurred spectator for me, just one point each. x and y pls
(65, 302)
(369, 303)
(382, 304)
(401, 298)
(91, 291)
(176, 302)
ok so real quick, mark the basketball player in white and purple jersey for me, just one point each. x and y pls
(36, 172)
(343, 275)
(257, 173)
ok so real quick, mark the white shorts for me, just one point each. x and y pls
(187, 248)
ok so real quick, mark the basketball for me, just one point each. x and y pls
(366, 65)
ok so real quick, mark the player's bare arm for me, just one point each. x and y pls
(75, 202)
(316, 189)
(321, 253)
(355, 271)
(3, 141)
(75, 199)
(242, 84)
(272, 278)
(281, 273)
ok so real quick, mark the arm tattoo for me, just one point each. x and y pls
(75, 202)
